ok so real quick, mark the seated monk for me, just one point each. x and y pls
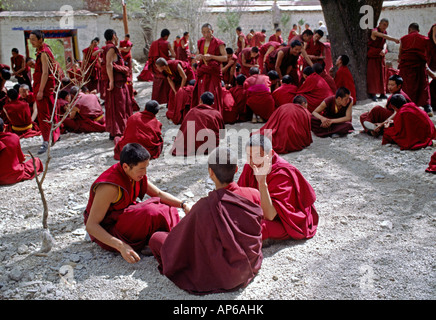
(259, 97)
(230, 113)
(113, 217)
(247, 58)
(201, 123)
(183, 101)
(319, 69)
(285, 93)
(287, 199)
(240, 96)
(29, 97)
(228, 68)
(86, 114)
(333, 116)
(143, 128)
(18, 113)
(432, 165)
(217, 246)
(289, 127)
(410, 128)
(146, 73)
(314, 88)
(343, 77)
(14, 167)
(373, 121)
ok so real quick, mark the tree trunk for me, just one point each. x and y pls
(349, 25)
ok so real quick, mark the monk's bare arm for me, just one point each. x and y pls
(44, 77)
(306, 56)
(269, 212)
(221, 58)
(279, 63)
(375, 34)
(348, 116)
(35, 111)
(319, 109)
(182, 75)
(110, 58)
(165, 197)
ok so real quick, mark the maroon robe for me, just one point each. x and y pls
(275, 38)
(183, 100)
(258, 39)
(90, 116)
(412, 129)
(146, 73)
(188, 141)
(239, 43)
(161, 87)
(328, 57)
(432, 165)
(288, 60)
(284, 94)
(376, 68)
(143, 128)
(20, 119)
(344, 78)
(230, 111)
(91, 68)
(128, 220)
(24, 76)
(315, 49)
(183, 54)
(248, 59)
(293, 198)
(216, 247)
(227, 76)
(431, 62)
(259, 97)
(315, 89)
(262, 52)
(14, 167)
(290, 128)
(239, 94)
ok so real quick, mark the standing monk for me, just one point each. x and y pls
(431, 62)
(412, 64)
(160, 48)
(91, 65)
(211, 53)
(183, 52)
(285, 61)
(114, 75)
(43, 86)
(376, 68)
(259, 38)
(242, 41)
(264, 52)
(276, 37)
(343, 77)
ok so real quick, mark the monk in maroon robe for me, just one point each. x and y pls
(239, 95)
(43, 86)
(319, 69)
(315, 89)
(199, 132)
(287, 198)
(277, 36)
(334, 115)
(285, 61)
(432, 165)
(390, 71)
(328, 57)
(376, 68)
(217, 246)
(211, 53)
(410, 128)
(343, 77)
(228, 68)
(118, 103)
(431, 62)
(143, 128)
(91, 65)
(230, 111)
(29, 97)
(289, 126)
(114, 218)
(14, 167)
(242, 41)
(412, 64)
(315, 49)
(21, 70)
(183, 52)
(160, 48)
(125, 49)
(285, 93)
(247, 59)
(264, 52)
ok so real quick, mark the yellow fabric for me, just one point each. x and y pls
(22, 128)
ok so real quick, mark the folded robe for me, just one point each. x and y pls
(292, 196)
(432, 165)
(344, 78)
(216, 247)
(230, 111)
(284, 94)
(239, 94)
(183, 100)
(20, 119)
(315, 89)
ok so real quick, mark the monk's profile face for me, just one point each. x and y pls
(383, 26)
(207, 33)
(35, 42)
(338, 62)
(160, 68)
(138, 172)
(307, 38)
(393, 87)
(343, 102)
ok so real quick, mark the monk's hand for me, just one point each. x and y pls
(207, 57)
(388, 123)
(326, 122)
(262, 171)
(129, 254)
(39, 95)
(397, 41)
(186, 208)
(111, 86)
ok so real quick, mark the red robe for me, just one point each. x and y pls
(90, 116)
(227, 74)
(432, 165)
(146, 73)
(24, 76)
(143, 128)
(344, 78)
(259, 97)
(258, 39)
(216, 247)
(262, 52)
(230, 111)
(389, 73)
(288, 60)
(183, 100)
(46, 104)
(290, 128)
(239, 94)
(376, 68)
(248, 59)
(412, 67)
(127, 56)
(315, 49)
(128, 220)
(21, 119)
(293, 198)
(14, 167)
(91, 68)
(412, 129)
(189, 141)
(284, 94)
(161, 87)
(315, 89)
(239, 43)
(209, 75)
(118, 103)
(183, 53)
(275, 38)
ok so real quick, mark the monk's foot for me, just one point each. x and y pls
(429, 110)
(369, 126)
(268, 242)
(373, 97)
(111, 137)
(383, 96)
(254, 119)
(260, 120)
(43, 148)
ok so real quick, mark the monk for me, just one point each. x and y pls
(264, 52)
(293, 32)
(431, 63)
(86, 114)
(228, 68)
(277, 36)
(373, 121)
(177, 73)
(376, 69)
(259, 97)
(432, 165)
(328, 57)
(285, 61)
(343, 77)
(333, 117)
(239, 95)
(319, 69)
(306, 39)
(146, 73)
(26, 95)
(390, 71)
(412, 64)
(199, 132)
(211, 53)
(247, 59)
(289, 126)
(250, 38)
(259, 38)
(230, 112)
(143, 128)
(18, 114)
(160, 48)
(217, 246)
(287, 198)
(183, 53)
(91, 65)
(113, 217)
(14, 167)
(315, 89)
(410, 128)
(242, 41)
(21, 70)
(118, 103)
(43, 85)
(183, 102)
(315, 48)
(125, 49)
(285, 93)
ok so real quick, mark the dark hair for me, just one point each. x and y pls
(133, 153)
(240, 79)
(127, 35)
(309, 32)
(229, 50)
(397, 78)
(191, 82)
(295, 43)
(223, 163)
(278, 29)
(38, 34)
(273, 75)
(96, 39)
(308, 70)
(238, 29)
(6, 74)
(161, 62)
(254, 70)
(63, 94)
(398, 100)
(17, 87)
(15, 50)
(299, 99)
(164, 33)
(345, 59)
(109, 34)
(207, 25)
(263, 31)
(319, 31)
(287, 79)
(207, 98)
(318, 68)
(259, 140)
(255, 49)
(12, 94)
(342, 92)
(152, 106)
(185, 33)
(414, 26)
